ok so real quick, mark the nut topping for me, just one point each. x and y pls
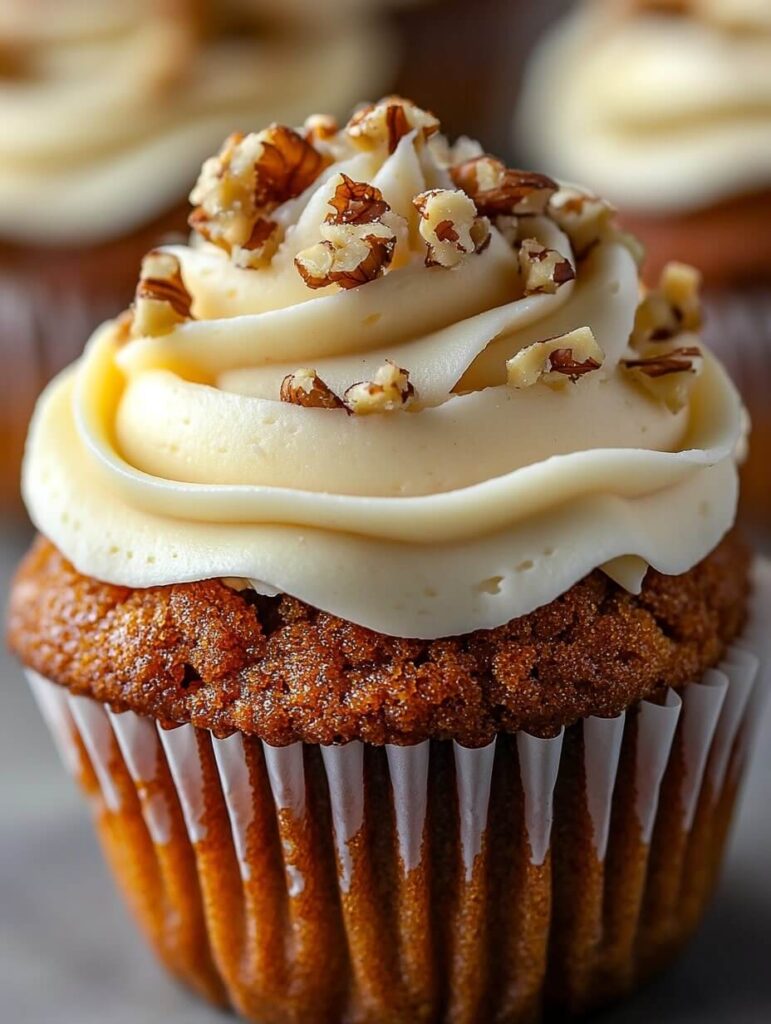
(674, 307)
(388, 121)
(497, 189)
(250, 177)
(356, 245)
(346, 258)
(161, 300)
(543, 270)
(304, 387)
(450, 225)
(556, 360)
(584, 218)
(320, 128)
(356, 202)
(667, 375)
(676, 360)
(390, 389)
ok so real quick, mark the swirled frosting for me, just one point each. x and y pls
(225, 430)
(659, 111)
(108, 108)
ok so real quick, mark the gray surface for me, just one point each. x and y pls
(68, 953)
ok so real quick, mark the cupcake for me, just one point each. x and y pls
(108, 110)
(664, 106)
(386, 603)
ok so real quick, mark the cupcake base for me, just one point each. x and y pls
(432, 882)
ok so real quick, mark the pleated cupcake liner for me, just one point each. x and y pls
(423, 883)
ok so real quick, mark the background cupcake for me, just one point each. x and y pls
(665, 108)
(347, 616)
(108, 110)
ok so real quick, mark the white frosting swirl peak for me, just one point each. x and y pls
(169, 458)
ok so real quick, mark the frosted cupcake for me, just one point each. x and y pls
(386, 604)
(664, 106)
(108, 110)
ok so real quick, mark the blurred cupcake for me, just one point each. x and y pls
(108, 109)
(386, 605)
(664, 106)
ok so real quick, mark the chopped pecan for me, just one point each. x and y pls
(498, 189)
(675, 360)
(450, 226)
(250, 177)
(356, 245)
(584, 218)
(680, 285)
(320, 128)
(674, 307)
(564, 360)
(668, 375)
(543, 270)
(161, 300)
(304, 387)
(555, 361)
(390, 389)
(388, 121)
(356, 202)
(346, 257)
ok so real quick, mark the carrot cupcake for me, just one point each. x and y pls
(108, 110)
(386, 603)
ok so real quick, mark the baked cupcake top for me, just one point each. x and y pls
(662, 105)
(396, 380)
(108, 107)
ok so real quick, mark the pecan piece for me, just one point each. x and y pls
(345, 258)
(304, 387)
(450, 225)
(388, 121)
(390, 389)
(667, 375)
(555, 361)
(583, 217)
(543, 270)
(356, 245)
(249, 178)
(674, 307)
(498, 189)
(161, 300)
(320, 128)
(356, 202)
(675, 360)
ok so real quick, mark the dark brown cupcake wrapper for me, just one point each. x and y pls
(431, 882)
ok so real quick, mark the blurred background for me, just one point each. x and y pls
(107, 108)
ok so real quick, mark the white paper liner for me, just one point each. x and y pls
(714, 714)
(712, 725)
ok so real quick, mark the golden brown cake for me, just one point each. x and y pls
(387, 604)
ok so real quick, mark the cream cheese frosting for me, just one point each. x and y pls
(659, 112)
(109, 108)
(225, 431)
